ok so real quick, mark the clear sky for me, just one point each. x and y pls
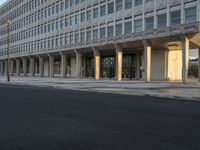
(2, 1)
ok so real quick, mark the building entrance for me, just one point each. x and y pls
(108, 66)
(129, 66)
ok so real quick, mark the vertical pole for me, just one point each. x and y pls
(32, 66)
(41, 66)
(63, 59)
(18, 67)
(51, 65)
(78, 64)
(119, 57)
(24, 66)
(8, 61)
(97, 59)
(185, 58)
(147, 60)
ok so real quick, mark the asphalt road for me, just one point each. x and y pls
(34, 118)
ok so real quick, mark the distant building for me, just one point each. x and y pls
(119, 39)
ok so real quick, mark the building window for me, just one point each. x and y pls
(77, 38)
(61, 24)
(103, 10)
(119, 5)
(190, 15)
(95, 12)
(95, 34)
(118, 29)
(128, 27)
(162, 20)
(110, 31)
(102, 33)
(111, 8)
(138, 2)
(88, 36)
(82, 16)
(89, 15)
(82, 37)
(77, 19)
(175, 17)
(128, 4)
(71, 39)
(138, 25)
(149, 23)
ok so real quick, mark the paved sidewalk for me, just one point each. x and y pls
(189, 91)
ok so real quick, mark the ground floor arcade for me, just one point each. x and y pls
(142, 60)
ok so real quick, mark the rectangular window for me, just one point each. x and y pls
(89, 15)
(102, 32)
(61, 6)
(88, 35)
(66, 4)
(57, 25)
(77, 38)
(66, 22)
(77, 19)
(175, 17)
(95, 12)
(82, 37)
(138, 25)
(71, 39)
(138, 2)
(128, 4)
(190, 15)
(110, 31)
(149, 23)
(103, 10)
(61, 41)
(118, 29)
(61, 24)
(119, 5)
(111, 8)
(82, 16)
(71, 20)
(95, 34)
(66, 39)
(162, 21)
(128, 28)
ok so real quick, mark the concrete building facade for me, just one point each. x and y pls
(115, 39)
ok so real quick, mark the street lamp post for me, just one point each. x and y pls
(8, 51)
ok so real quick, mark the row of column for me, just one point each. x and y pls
(97, 57)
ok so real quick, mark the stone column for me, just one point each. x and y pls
(199, 65)
(78, 64)
(147, 60)
(119, 57)
(97, 62)
(32, 66)
(63, 65)
(11, 67)
(41, 66)
(51, 65)
(18, 67)
(24, 66)
(185, 58)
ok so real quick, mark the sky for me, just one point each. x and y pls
(2, 1)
